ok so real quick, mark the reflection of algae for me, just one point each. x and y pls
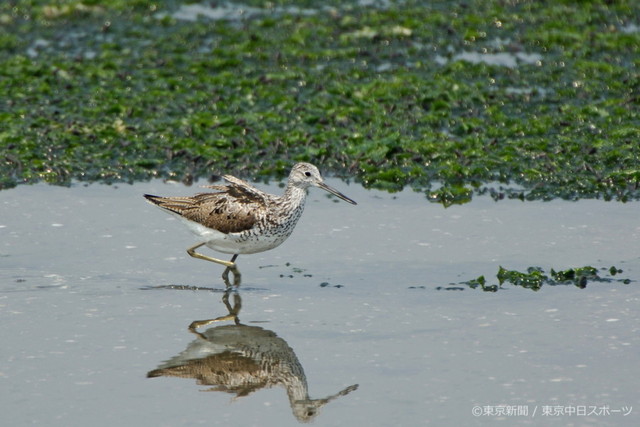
(241, 359)
(535, 278)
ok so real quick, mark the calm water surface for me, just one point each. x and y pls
(347, 323)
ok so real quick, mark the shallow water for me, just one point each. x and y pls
(98, 292)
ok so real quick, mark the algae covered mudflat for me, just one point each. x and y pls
(530, 99)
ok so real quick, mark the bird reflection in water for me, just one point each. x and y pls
(241, 359)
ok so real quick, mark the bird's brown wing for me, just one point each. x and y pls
(231, 210)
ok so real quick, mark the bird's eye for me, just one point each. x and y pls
(307, 173)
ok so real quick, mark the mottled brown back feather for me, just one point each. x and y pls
(232, 210)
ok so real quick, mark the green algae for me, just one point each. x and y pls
(122, 91)
(535, 278)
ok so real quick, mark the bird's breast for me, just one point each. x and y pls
(268, 232)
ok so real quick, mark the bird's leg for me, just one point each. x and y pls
(229, 264)
(234, 270)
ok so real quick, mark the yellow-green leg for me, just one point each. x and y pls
(192, 251)
(235, 271)
(231, 265)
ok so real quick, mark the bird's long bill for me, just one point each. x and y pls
(336, 193)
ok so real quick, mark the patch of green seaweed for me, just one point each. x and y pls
(535, 278)
(120, 91)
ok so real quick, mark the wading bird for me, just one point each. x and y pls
(240, 219)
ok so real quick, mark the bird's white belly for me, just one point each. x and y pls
(234, 243)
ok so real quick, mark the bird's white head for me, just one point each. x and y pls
(304, 175)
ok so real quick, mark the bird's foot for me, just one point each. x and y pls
(236, 276)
